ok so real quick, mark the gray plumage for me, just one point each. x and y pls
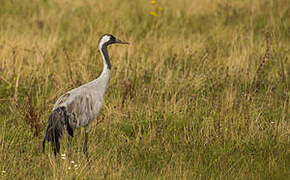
(80, 106)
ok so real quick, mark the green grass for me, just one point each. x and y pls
(201, 92)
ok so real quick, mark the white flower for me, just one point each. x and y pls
(63, 156)
(3, 171)
(72, 162)
(69, 168)
(76, 166)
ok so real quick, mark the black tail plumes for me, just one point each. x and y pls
(57, 123)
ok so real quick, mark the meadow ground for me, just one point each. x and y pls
(202, 91)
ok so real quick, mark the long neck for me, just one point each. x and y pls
(107, 65)
(106, 59)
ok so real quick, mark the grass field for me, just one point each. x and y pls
(201, 92)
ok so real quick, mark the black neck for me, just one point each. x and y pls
(106, 56)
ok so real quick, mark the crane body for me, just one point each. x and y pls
(80, 106)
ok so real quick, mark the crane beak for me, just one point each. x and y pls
(120, 42)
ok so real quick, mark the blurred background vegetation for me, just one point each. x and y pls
(201, 92)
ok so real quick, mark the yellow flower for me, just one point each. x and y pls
(158, 8)
(153, 2)
(152, 13)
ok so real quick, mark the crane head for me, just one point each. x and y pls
(108, 39)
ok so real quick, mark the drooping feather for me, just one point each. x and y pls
(58, 122)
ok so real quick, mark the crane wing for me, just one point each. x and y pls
(79, 107)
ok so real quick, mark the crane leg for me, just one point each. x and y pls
(85, 149)
(68, 145)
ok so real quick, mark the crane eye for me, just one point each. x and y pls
(113, 39)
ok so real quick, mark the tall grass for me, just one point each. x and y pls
(201, 92)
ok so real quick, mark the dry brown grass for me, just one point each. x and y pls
(201, 92)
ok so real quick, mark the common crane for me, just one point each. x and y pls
(80, 106)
